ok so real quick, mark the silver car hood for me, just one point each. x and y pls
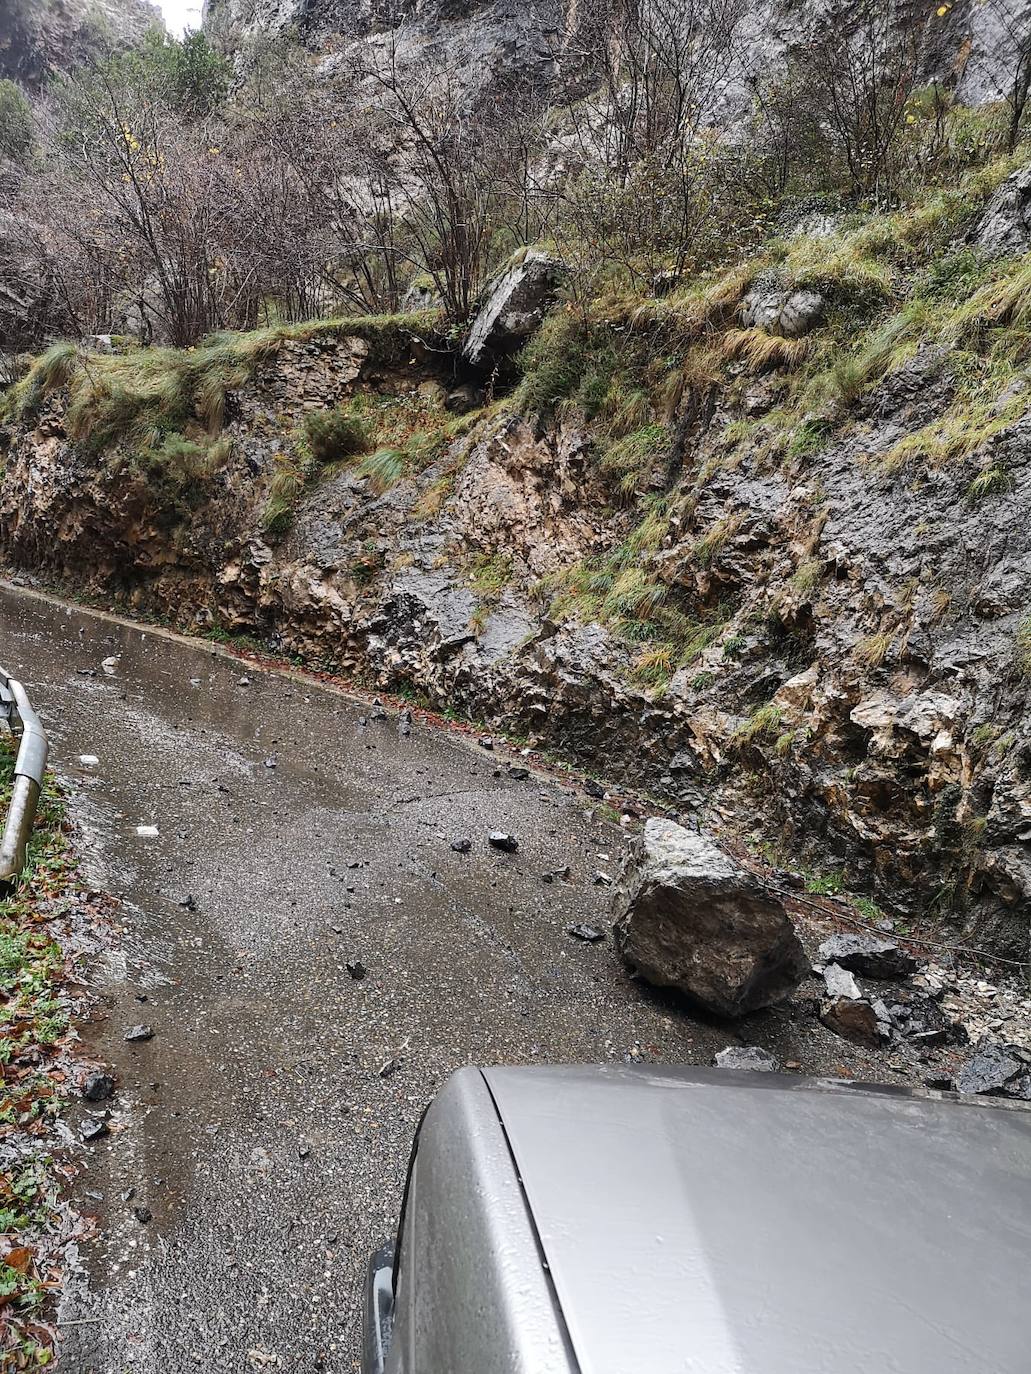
(700, 1222)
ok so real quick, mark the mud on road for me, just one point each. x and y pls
(264, 834)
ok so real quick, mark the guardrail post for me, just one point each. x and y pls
(29, 767)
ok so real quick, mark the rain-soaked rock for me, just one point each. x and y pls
(137, 1033)
(515, 304)
(94, 1129)
(857, 1020)
(589, 934)
(747, 1057)
(690, 917)
(98, 1087)
(920, 1018)
(462, 845)
(553, 873)
(840, 983)
(1005, 226)
(501, 839)
(869, 956)
(517, 773)
(989, 1070)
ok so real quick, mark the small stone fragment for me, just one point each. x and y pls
(594, 789)
(94, 1130)
(271, 761)
(747, 1057)
(142, 1214)
(189, 902)
(518, 773)
(501, 839)
(137, 1033)
(98, 1087)
(485, 742)
(462, 845)
(856, 1020)
(356, 969)
(988, 1070)
(390, 1067)
(840, 983)
(404, 723)
(589, 934)
(601, 879)
(243, 682)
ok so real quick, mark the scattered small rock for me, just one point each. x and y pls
(868, 956)
(377, 712)
(840, 983)
(390, 1067)
(243, 682)
(747, 1057)
(189, 902)
(98, 1087)
(601, 879)
(857, 1020)
(356, 969)
(501, 839)
(462, 845)
(303, 1149)
(485, 742)
(271, 761)
(590, 934)
(93, 1130)
(553, 873)
(404, 723)
(518, 773)
(142, 1214)
(594, 789)
(136, 1033)
(990, 1069)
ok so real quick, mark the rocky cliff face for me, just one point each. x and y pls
(969, 51)
(851, 687)
(41, 37)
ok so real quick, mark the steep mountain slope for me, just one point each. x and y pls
(761, 545)
(40, 37)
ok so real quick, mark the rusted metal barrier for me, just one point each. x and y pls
(29, 766)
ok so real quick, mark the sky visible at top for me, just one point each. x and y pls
(180, 15)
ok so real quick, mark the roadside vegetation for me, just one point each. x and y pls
(34, 1020)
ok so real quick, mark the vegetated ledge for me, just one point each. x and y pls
(781, 575)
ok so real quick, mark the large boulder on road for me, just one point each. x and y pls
(690, 917)
(515, 304)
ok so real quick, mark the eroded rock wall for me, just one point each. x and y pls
(862, 704)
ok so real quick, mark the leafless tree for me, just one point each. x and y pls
(862, 72)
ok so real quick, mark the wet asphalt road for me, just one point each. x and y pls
(264, 1126)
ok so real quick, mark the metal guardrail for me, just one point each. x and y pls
(29, 765)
